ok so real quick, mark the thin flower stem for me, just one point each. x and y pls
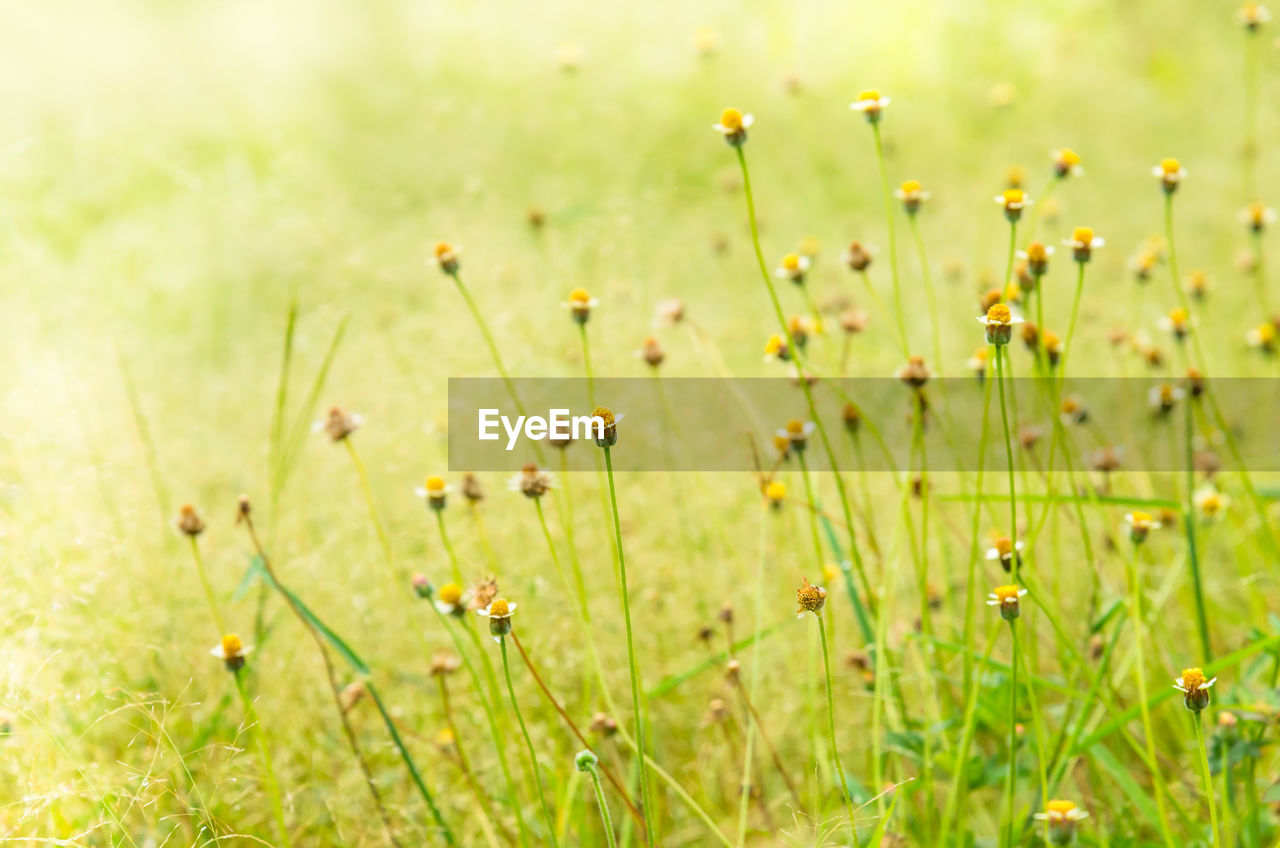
(930, 295)
(445, 833)
(966, 739)
(208, 587)
(1189, 523)
(884, 311)
(758, 624)
(533, 753)
(605, 819)
(1013, 734)
(264, 754)
(831, 730)
(1008, 447)
(383, 539)
(1249, 155)
(586, 364)
(1036, 214)
(773, 752)
(893, 247)
(448, 546)
(631, 655)
(1260, 275)
(813, 510)
(1208, 778)
(1071, 322)
(482, 798)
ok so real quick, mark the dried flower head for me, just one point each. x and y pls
(339, 424)
(915, 373)
(733, 126)
(853, 321)
(603, 725)
(1008, 599)
(810, 599)
(532, 482)
(499, 612)
(651, 352)
(870, 103)
(1170, 173)
(231, 651)
(482, 592)
(1083, 242)
(445, 663)
(668, 312)
(852, 417)
(189, 521)
(857, 256)
(471, 488)
(1194, 688)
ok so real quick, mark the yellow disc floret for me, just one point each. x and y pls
(450, 593)
(435, 485)
(911, 187)
(999, 314)
(232, 646)
(791, 262)
(579, 296)
(776, 491)
(731, 119)
(869, 94)
(1170, 166)
(499, 608)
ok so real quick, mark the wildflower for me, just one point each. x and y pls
(1066, 163)
(776, 348)
(852, 417)
(471, 488)
(794, 266)
(569, 57)
(706, 41)
(1107, 459)
(1195, 382)
(799, 326)
(853, 321)
(733, 126)
(1257, 216)
(1178, 322)
(1252, 16)
(584, 760)
(1140, 524)
(1015, 176)
(1073, 410)
(1170, 173)
(422, 586)
(484, 591)
(978, 362)
(871, 104)
(911, 195)
(1197, 284)
(669, 312)
(809, 247)
(1143, 263)
(1030, 336)
(580, 304)
(1014, 200)
(1004, 549)
(532, 482)
(810, 598)
(915, 373)
(989, 299)
(1211, 503)
(1263, 337)
(733, 671)
(726, 613)
(1163, 398)
(339, 424)
(450, 600)
(775, 492)
(1007, 598)
(857, 256)
(651, 352)
(189, 521)
(797, 434)
(1028, 437)
(231, 651)
(717, 711)
(1037, 258)
(609, 436)
(1083, 242)
(999, 322)
(436, 492)
(1062, 817)
(535, 217)
(445, 255)
(499, 612)
(782, 446)
(1195, 688)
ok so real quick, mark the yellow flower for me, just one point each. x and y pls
(1062, 817)
(1195, 688)
(1263, 337)
(580, 304)
(1252, 16)
(1014, 200)
(733, 126)
(499, 612)
(1178, 321)
(435, 491)
(1083, 242)
(912, 195)
(1066, 162)
(231, 651)
(450, 600)
(776, 348)
(870, 103)
(1257, 216)
(775, 492)
(1211, 503)
(1140, 524)
(1170, 173)
(793, 267)
(445, 255)
(1007, 598)
(706, 41)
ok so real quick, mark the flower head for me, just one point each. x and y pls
(1006, 550)
(231, 651)
(339, 424)
(999, 322)
(912, 195)
(1252, 16)
(733, 126)
(422, 586)
(189, 521)
(1140, 525)
(1178, 321)
(915, 373)
(857, 256)
(1170, 173)
(1197, 284)
(810, 598)
(775, 347)
(1062, 817)
(775, 492)
(1037, 258)
(1263, 337)
(1066, 162)
(1164, 397)
(1083, 242)
(978, 362)
(1211, 503)
(651, 352)
(445, 256)
(580, 304)
(1014, 200)
(797, 434)
(706, 41)
(609, 432)
(871, 104)
(1195, 688)
(1008, 599)
(532, 482)
(435, 491)
(1257, 216)
(451, 600)
(499, 612)
(793, 267)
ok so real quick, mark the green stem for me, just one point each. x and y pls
(445, 833)
(605, 818)
(831, 731)
(1013, 734)
(930, 296)
(1071, 322)
(208, 588)
(383, 539)
(754, 689)
(1008, 447)
(448, 546)
(631, 655)
(533, 754)
(1208, 778)
(260, 742)
(1189, 522)
(893, 247)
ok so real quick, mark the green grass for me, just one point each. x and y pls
(176, 177)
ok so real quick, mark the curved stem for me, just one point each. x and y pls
(383, 539)
(264, 754)
(831, 730)
(605, 818)
(208, 588)
(1008, 447)
(1013, 734)
(893, 247)
(533, 754)
(1208, 779)
(448, 546)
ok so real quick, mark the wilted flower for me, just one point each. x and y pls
(471, 488)
(853, 320)
(810, 598)
(532, 482)
(915, 373)
(1195, 688)
(871, 104)
(857, 256)
(669, 312)
(189, 521)
(733, 126)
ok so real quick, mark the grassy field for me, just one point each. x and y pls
(217, 220)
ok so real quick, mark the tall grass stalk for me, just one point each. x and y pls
(214, 612)
(260, 742)
(762, 556)
(448, 546)
(898, 312)
(1012, 776)
(831, 730)
(384, 540)
(528, 741)
(931, 298)
(1207, 775)
(1001, 354)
